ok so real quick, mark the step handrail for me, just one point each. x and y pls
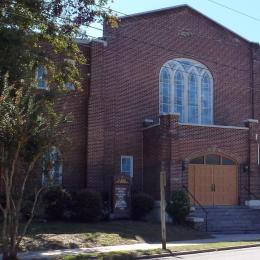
(251, 193)
(203, 209)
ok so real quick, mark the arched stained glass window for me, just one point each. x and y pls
(52, 167)
(186, 87)
(192, 99)
(165, 91)
(179, 94)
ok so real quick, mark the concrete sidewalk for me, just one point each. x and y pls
(141, 246)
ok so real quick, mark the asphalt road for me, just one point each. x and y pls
(238, 254)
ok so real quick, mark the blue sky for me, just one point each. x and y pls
(244, 26)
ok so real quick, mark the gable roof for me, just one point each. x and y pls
(178, 7)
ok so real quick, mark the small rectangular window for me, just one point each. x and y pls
(127, 165)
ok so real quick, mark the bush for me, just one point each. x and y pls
(179, 206)
(56, 202)
(87, 206)
(142, 204)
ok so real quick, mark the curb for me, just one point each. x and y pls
(196, 251)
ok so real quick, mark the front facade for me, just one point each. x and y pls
(168, 86)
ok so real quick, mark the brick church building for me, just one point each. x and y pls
(168, 85)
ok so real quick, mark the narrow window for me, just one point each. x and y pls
(41, 73)
(127, 165)
(179, 95)
(192, 99)
(164, 91)
(205, 100)
(52, 167)
(70, 85)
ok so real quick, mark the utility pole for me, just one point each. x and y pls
(163, 204)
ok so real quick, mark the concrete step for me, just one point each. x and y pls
(227, 219)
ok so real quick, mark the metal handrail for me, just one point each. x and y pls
(205, 211)
(251, 193)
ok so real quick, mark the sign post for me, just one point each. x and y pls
(163, 204)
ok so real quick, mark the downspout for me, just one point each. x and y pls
(252, 80)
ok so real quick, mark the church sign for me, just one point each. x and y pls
(121, 197)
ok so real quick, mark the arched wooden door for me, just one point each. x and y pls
(212, 180)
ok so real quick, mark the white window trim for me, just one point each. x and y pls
(131, 164)
(185, 74)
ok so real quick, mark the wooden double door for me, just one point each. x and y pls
(213, 184)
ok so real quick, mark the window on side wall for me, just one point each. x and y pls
(52, 167)
(70, 85)
(41, 74)
(127, 165)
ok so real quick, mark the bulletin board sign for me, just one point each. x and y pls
(122, 197)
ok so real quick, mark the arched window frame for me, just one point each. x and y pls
(193, 72)
(179, 69)
(200, 71)
(165, 68)
(204, 73)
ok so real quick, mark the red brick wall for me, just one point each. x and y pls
(96, 108)
(256, 79)
(75, 105)
(125, 89)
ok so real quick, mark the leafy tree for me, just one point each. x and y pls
(33, 34)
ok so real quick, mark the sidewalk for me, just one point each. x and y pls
(141, 246)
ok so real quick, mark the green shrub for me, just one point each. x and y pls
(141, 205)
(179, 206)
(56, 202)
(87, 206)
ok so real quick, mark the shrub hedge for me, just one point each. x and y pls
(141, 205)
(179, 206)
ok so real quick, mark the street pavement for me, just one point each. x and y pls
(252, 253)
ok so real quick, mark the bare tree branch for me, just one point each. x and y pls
(31, 216)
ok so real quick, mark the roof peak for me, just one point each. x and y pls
(156, 11)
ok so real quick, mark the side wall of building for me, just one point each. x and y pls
(75, 105)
